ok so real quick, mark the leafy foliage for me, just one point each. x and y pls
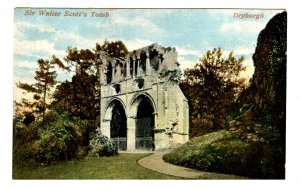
(23, 140)
(114, 48)
(81, 96)
(211, 87)
(78, 97)
(57, 138)
(64, 131)
(269, 80)
(267, 90)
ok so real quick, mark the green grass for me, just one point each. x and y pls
(123, 166)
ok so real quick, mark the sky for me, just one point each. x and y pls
(191, 31)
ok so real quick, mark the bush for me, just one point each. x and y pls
(201, 126)
(23, 139)
(100, 145)
(57, 138)
(227, 152)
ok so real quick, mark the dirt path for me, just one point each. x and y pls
(155, 162)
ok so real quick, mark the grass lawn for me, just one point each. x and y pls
(123, 166)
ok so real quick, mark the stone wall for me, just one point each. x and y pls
(150, 73)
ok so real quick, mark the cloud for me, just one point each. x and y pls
(248, 73)
(188, 58)
(26, 64)
(138, 22)
(38, 48)
(137, 44)
(183, 51)
(244, 51)
(242, 27)
(76, 40)
(240, 51)
(186, 63)
(22, 26)
(47, 47)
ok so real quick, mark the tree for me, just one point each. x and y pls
(81, 96)
(78, 96)
(115, 49)
(45, 78)
(211, 88)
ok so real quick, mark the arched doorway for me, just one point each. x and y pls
(118, 126)
(144, 125)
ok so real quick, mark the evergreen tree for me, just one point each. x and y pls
(45, 78)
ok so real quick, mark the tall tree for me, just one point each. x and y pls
(45, 78)
(211, 87)
(81, 96)
(78, 96)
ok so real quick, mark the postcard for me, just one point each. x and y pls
(103, 93)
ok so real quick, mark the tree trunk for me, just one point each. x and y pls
(44, 101)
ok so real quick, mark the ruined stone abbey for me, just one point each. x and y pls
(142, 106)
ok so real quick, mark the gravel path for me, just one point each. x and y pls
(155, 162)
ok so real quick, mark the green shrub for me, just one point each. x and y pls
(57, 138)
(23, 140)
(100, 145)
(59, 143)
(226, 152)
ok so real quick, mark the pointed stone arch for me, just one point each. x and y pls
(136, 99)
(115, 123)
(142, 116)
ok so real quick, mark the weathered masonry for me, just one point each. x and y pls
(142, 106)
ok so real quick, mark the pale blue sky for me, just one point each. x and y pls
(191, 31)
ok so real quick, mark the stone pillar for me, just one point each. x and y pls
(155, 120)
(128, 69)
(113, 73)
(166, 116)
(138, 67)
(133, 71)
(131, 124)
(147, 64)
(105, 128)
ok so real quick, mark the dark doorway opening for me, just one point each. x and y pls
(145, 125)
(118, 126)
